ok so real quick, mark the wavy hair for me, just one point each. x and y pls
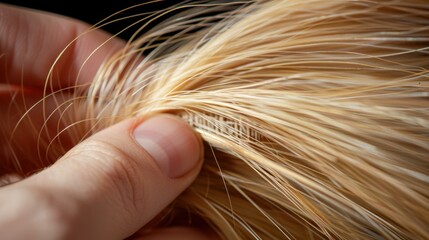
(314, 113)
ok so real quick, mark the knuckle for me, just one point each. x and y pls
(48, 212)
(115, 169)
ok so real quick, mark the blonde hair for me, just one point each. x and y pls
(315, 114)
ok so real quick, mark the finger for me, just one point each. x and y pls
(28, 127)
(9, 179)
(108, 186)
(177, 233)
(31, 41)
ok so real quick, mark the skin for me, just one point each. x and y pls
(110, 185)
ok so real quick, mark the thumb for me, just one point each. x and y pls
(116, 181)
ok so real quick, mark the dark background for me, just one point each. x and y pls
(93, 11)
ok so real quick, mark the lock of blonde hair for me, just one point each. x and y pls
(315, 114)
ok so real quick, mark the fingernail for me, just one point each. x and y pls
(171, 142)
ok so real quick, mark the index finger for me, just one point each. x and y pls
(31, 41)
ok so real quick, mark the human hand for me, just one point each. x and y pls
(113, 183)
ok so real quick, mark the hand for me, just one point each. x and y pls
(113, 183)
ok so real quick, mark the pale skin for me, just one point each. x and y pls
(107, 187)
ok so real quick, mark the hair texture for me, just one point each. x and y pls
(314, 113)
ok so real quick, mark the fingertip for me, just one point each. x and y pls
(172, 143)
